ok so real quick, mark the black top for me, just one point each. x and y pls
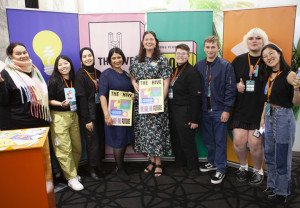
(187, 91)
(56, 92)
(85, 95)
(248, 105)
(282, 92)
(17, 115)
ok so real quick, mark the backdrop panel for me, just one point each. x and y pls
(102, 32)
(277, 22)
(45, 35)
(191, 28)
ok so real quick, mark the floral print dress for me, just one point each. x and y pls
(152, 134)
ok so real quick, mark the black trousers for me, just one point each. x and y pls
(183, 137)
(95, 143)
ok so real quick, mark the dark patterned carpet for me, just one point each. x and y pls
(173, 189)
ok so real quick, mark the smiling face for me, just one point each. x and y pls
(211, 50)
(19, 54)
(87, 58)
(255, 44)
(181, 56)
(64, 67)
(116, 61)
(149, 42)
(271, 58)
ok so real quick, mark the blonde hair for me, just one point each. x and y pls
(256, 32)
(212, 39)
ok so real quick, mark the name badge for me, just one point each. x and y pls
(170, 94)
(97, 98)
(208, 92)
(267, 109)
(250, 84)
(73, 106)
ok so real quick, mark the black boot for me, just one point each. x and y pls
(93, 172)
(122, 174)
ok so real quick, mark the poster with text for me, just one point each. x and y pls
(120, 107)
(151, 96)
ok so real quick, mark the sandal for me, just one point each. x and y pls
(157, 174)
(147, 169)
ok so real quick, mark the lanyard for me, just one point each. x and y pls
(270, 87)
(175, 77)
(95, 82)
(252, 69)
(67, 83)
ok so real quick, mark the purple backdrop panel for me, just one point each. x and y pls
(45, 35)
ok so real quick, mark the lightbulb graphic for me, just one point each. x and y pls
(47, 45)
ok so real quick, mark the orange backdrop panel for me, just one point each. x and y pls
(277, 22)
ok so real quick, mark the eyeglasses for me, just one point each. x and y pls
(181, 54)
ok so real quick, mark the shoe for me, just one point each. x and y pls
(207, 167)
(256, 178)
(156, 173)
(78, 178)
(94, 174)
(277, 198)
(147, 169)
(193, 173)
(268, 191)
(122, 174)
(241, 174)
(217, 178)
(75, 184)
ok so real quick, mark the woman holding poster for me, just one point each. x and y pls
(24, 94)
(65, 133)
(118, 137)
(278, 121)
(89, 109)
(152, 135)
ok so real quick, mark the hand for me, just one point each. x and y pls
(297, 80)
(193, 125)
(108, 121)
(1, 79)
(133, 97)
(156, 113)
(135, 86)
(225, 116)
(89, 126)
(241, 86)
(65, 103)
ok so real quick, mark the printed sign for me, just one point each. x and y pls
(151, 94)
(120, 107)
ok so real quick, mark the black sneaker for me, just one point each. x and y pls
(217, 178)
(193, 173)
(241, 174)
(256, 178)
(207, 167)
(268, 191)
(277, 198)
(122, 174)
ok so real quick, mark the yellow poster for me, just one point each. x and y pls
(120, 107)
(151, 96)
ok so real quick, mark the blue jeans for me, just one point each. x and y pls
(280, 131)
(214, 134)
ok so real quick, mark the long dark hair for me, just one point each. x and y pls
(142, 52)
(56, 74)
(266, 70)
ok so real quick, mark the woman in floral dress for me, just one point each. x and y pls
(152, 135)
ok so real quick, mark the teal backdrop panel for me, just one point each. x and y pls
(182, 26)
(190, 27)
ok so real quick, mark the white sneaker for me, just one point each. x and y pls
(217, 178)
(78, 178)
(75, 184)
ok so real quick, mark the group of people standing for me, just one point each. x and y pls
(256, 88)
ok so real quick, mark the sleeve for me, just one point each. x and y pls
(133, 67)
(103, 85)
(230, 91)
(195, 90)
(52, 90)
(83, 109)
(80, 85)
(4, 92)
(166, 70)
(235, 67)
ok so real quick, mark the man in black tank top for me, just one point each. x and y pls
(249, 106)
